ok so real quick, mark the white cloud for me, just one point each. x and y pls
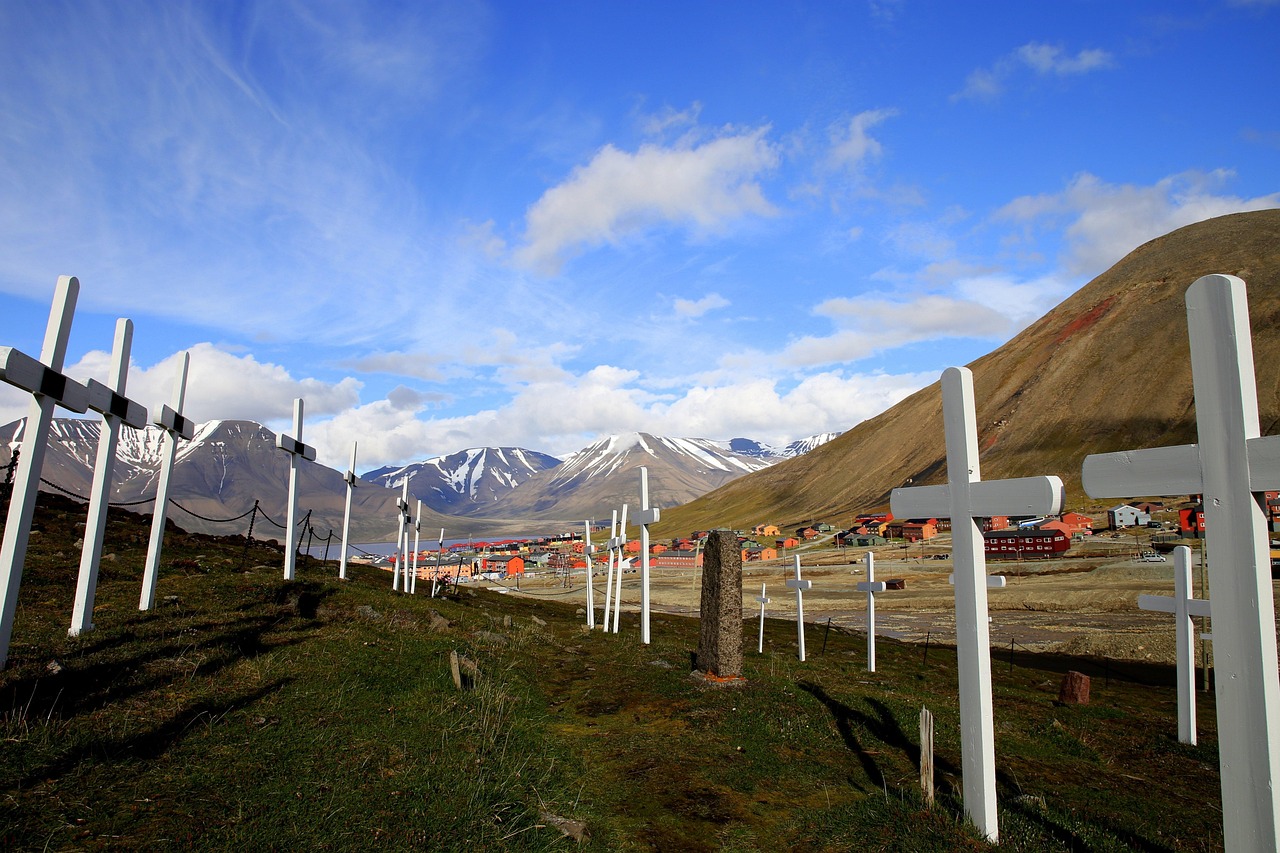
(1107, 221)
(1042, 59)
(852, 145)
(702, 187)
(691, 308)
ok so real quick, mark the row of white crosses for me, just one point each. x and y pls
(616, 546)
(49, 388)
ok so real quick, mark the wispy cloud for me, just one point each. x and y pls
(692, 308)
(1041, 59)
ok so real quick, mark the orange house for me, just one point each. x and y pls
(789, 542)
(509, 566)
(765, 530)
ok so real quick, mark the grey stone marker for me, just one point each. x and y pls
(720, 641)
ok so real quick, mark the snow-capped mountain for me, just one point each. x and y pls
(751, 447)
(603, 477)
(461, 482)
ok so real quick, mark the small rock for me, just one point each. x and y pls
(109, 558)
(437, 622)
(506, 620)
(538, 621)
(490, 637)
(368, 612)
(575, 829)
(53, 667)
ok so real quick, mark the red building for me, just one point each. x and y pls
(677, 559)
(1025, 543)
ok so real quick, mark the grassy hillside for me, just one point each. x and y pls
(250, 713)
(1107, 369)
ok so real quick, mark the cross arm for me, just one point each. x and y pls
(289, 444)
(21, 370)
(648, 516)
(993, 581)
(871, 586)
(1154, 471)
(1019, 496)
(351, 478)
(1168, 604)
(176, 423)
(796, 583)
(106, 401)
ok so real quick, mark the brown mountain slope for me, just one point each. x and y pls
(1107, 369)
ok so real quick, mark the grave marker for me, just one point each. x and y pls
(350, 477)
(1183, 607)
(175, 426)
(417, 541)
(799, 586)
(763, 599)
(871, 586)
(965, 498)
(587, 550)
(435, 577)
(646, 517)
(1230, 465)
(296, 449)
(622, 547)
(116, 410)
(720, 631)
(402, 504)
(608, 583)
(48, 387)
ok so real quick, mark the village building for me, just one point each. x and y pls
(756, 553)
(1024, 543)
(788, 542)
(676, 558)
(1126, 515)
(765, 530)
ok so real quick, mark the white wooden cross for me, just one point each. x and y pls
(1183, 607)
(587, 551)
(963, 499)
(799, 586)
(175, 426)
(116, 410)
(871, 586)
(620, 543)
(398, 568)
(1230, 466)
(435, 576)
(763, 599)
(48, 387)
(350, 477)
(608, 582)
(417, 542)
(646, 517)
(292, 444)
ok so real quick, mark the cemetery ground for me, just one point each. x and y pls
(245, 711)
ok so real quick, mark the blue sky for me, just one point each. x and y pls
(449, 225)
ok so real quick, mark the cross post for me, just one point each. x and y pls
(608, 582)
(1183, 606)
(175, 426)
(621, 542)
(646, 517)
(439, 559)
(417, 539)
(297, 450)
(763, 599)
(116, 410)
(398, 568)
(799, 585)
(1231, 464)
(587, 551)
(350, 477)
(871, 586)
(965, 498)
(48, 387)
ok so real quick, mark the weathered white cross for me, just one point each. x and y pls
(871, 586)
(435, 576)
(399, 567)
(1183, 607)
(292, 444)
(116, 409)
(350, 477)
(620, 542)
(587, 551)
(799, 585)
(965, 498)
(175, 426)
(608, 582)
(763, 599)
(48, 387)
(646, 517)
(417, 542)
(1230, 466)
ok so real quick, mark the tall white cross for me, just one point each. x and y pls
(350, 477)
(175, 426)
(116, 409)
(435, 576)
(48, 387)
(621, 544)
(402, 504)
(799, 585)
(1230, 466)
(292, 444)
(871, 586)
(608, 582)
(763, 599)
(417, 539)
(1183, 607)
(646, 517)
(965, 498)
(588, 550)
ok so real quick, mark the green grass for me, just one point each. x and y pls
(244, 712)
